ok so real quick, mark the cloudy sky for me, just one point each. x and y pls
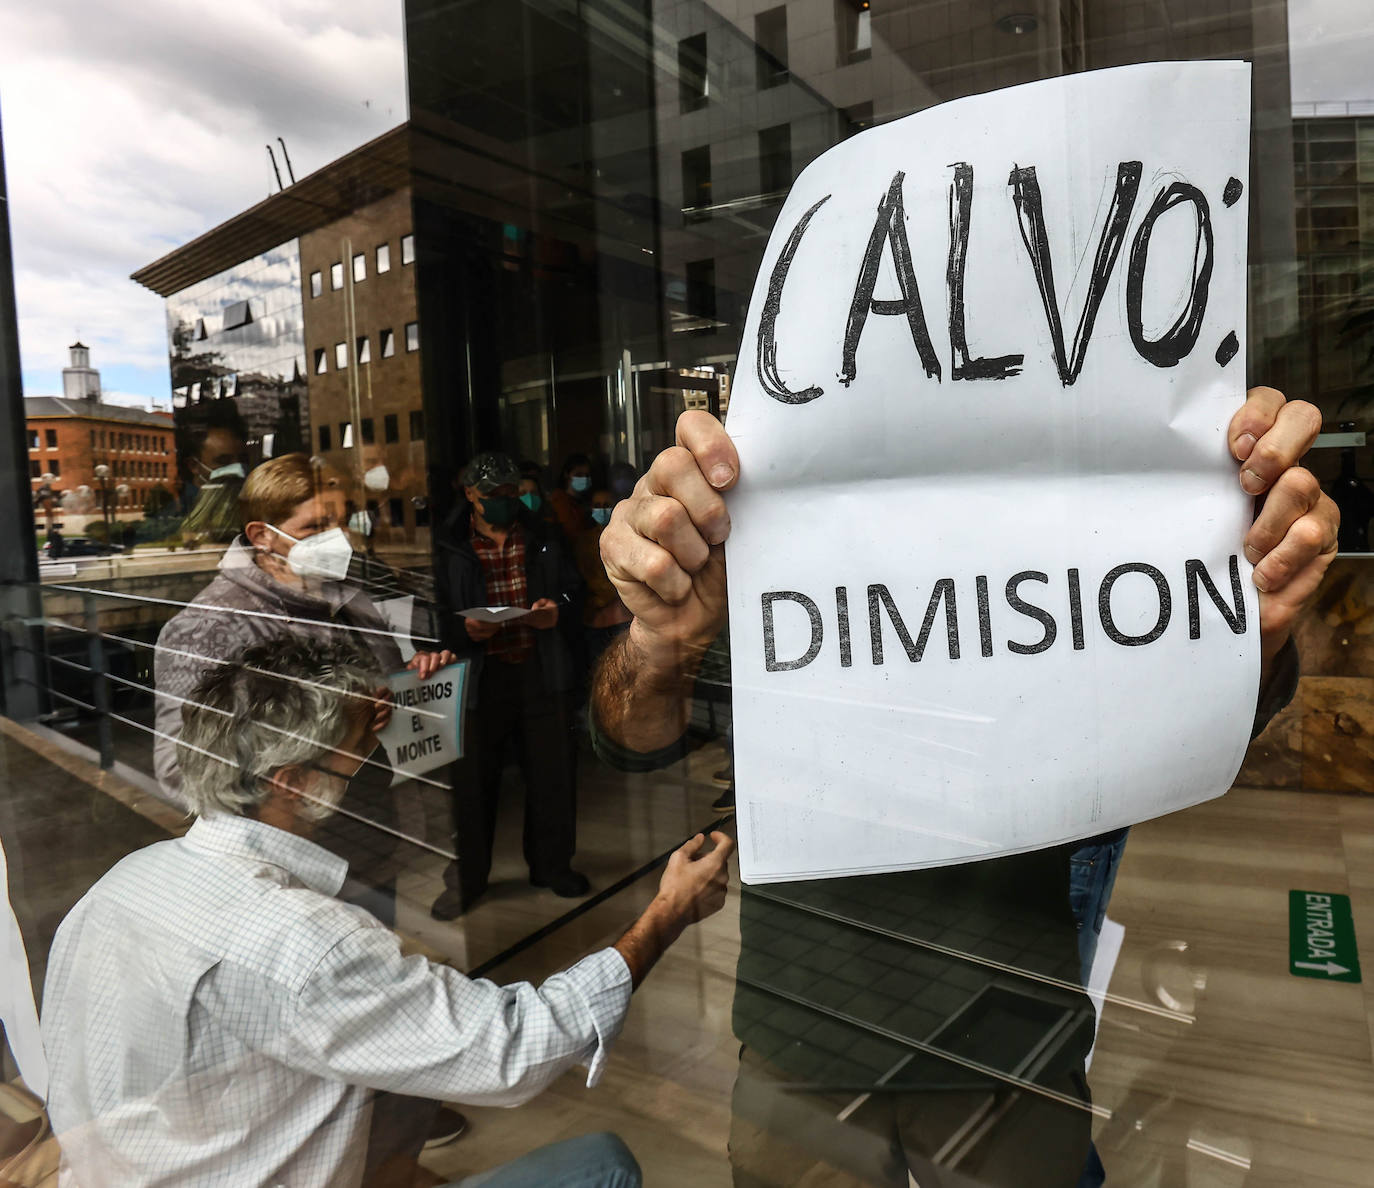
(132, 126)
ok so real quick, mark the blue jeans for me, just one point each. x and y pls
(1092, 875)
(590, 1161)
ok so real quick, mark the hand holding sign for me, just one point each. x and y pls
(664, 547)
(1293, 539)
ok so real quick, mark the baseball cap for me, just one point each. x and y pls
(490, 470)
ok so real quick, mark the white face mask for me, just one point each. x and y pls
(325, 794)
(377, 479)
(361, 523)
(326, 554)
(233, 470)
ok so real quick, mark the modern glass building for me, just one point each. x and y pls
(550, 253)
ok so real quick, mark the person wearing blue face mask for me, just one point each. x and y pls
(217, 472)
(604, 616)
(570, 501)
(494, 552)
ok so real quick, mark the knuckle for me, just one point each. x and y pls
(665, 518)
(1266, 456)
(1304, 484)
(1306, 414)
(1309, 534)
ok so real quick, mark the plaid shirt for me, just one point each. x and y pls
(212, 1015)
(503, 566)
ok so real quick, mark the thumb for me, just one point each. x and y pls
(691, 848)
(725, 844)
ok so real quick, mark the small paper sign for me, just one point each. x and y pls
(426, 727)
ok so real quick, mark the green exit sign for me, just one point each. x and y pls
(1321, 937)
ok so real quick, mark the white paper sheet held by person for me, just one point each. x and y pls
(495, 614)
(987, 589)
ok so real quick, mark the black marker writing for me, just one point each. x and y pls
(889, 228)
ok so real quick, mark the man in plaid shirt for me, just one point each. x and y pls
(493, 554)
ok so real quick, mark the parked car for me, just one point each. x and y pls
(80, 546)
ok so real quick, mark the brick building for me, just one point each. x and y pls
(362, 341)
(70, 435)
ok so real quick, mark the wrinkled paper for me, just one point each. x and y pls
(987, 590)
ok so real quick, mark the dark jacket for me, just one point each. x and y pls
(461, 583)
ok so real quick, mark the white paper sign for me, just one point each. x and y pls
(986, 583)
(426, 727)
(495, 614)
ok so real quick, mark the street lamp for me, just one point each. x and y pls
(46, 496)
(102, 475)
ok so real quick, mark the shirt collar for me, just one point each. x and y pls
(243, 837)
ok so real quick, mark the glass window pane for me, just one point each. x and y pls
(383, 257)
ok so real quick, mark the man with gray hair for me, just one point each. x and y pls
(213, 1014)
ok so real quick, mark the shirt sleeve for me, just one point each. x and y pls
(1278, 688)
(623, 759)
(370, 1016)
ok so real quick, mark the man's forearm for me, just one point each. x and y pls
(648, 938)
(641, 698)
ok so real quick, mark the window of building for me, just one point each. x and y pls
(412, 336)
(383, 257)
(417, 424)
(701, 288)
(855, 30)
(33, 439)
(50, 438)
(360, 267)
(336, 275)
(391, 428)
(364, 349)
(369, 431)
(236, 314)
(396, 510)
(340, 355)
(321, 360)
(388, 344)
(696, 178)
(35, 469)
(316, 284)
(770, 47)
(407, 249)
(692, 82)
(346, 435)
(55, 468)
(324, 439)
(775, 158)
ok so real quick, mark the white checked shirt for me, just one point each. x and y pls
(212, 1015)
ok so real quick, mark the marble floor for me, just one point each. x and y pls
(1214, 1066)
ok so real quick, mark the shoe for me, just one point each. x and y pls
(453, 903)
(725, 776)
(568, 884)
(448, 1125)
(725, 802)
